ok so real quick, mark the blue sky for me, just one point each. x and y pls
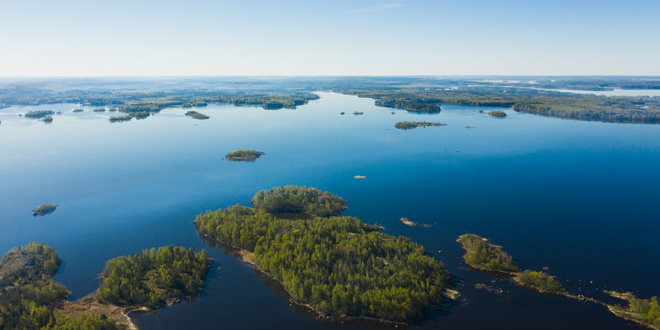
(329, 37)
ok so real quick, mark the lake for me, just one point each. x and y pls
(577, 197)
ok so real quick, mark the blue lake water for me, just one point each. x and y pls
(580, 198)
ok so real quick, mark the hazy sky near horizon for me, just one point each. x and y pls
(329, 37)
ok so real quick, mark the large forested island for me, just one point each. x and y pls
(30, 299)
(334, 265)
(154, 278)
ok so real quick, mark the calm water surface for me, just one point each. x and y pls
(577, 197)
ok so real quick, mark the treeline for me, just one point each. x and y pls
(295, 199)
(154, 277)
(29, 296)
(338, 265)
(643, 110)
(481, 254)
(141, 104)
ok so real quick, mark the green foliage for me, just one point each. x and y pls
(243, 155)
(28, 294)
(84, 322)
(539, 281)
(295, 199)
(38, 114)
(479, 253)
(154, 277)
(405, 125)
(99, 109)
(47, 119)
(338, 265)
(648, 310)
(197, 115)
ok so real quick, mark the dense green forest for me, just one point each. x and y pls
(481, 254)
(539, 281)
(243, 155)
(28, 295)
(197, 115)
(295, 199)
(337, 265)
(405, 125)
(154, 277)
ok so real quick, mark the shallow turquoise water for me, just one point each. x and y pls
(577, 197)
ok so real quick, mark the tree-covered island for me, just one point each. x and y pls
(44, 209)
(243, 155)
(30, 299)
(405, 125)
(336, 265)
(119, 119)
(154, 278)
(539, 281)
(481, 254)
(196, 115)
(47, 119)
(38, 114)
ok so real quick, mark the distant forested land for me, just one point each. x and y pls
(640, 110)
(337, 265)
(154, 278)
(140, 104)
(29, 297)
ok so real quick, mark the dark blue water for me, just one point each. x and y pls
(580, 198)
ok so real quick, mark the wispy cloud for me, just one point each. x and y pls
(375, 8)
